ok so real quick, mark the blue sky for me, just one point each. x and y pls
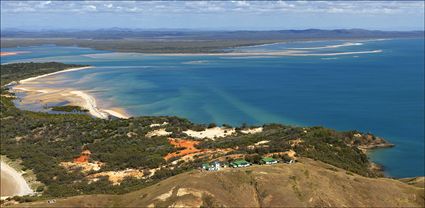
(223, 15)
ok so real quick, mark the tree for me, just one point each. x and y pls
(212, 125)
(255, 158)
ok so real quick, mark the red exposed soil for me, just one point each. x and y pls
(84, 157)
(188, 145)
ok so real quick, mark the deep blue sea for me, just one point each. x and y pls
(381, 93)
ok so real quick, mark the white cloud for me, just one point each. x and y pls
(90, 8)
(242, 3)
(43, 4)
(348, 7)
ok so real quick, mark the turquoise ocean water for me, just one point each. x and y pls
(382, 93)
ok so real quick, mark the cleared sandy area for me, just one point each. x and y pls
(158, 132)
(116, 177)
(85, 167)
(211, 133)
(12, 182)
(157, 124)
(252, 130)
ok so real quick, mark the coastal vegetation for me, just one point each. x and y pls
(19, 71)
(69, 108)
(48, 143)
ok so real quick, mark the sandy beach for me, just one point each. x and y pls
(53, 73)
(12, 182)
(89, 103)
(12, 53)
(43, 96)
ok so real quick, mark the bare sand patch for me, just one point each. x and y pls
(85, 167)
(295, 142)
(166, 195)
(262, 142)
(211, 133)
(157, 125)
(158, 132)
(252, 130)
(116, 177)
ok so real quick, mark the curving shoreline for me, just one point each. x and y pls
(53, 73)
(75, 97)
(90, 104)
(20, 187)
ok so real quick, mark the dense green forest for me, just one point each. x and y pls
(42, 141)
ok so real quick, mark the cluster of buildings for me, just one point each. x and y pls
(215, 166)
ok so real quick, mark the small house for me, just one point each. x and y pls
(239, 164)
(215, 166)
(268, 161)
(205, 166)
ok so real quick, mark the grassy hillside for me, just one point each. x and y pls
(307, 183)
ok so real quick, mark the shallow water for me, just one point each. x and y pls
(382, 93)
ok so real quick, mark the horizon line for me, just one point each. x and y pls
(200, 29)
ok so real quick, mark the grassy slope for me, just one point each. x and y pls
(307, 183)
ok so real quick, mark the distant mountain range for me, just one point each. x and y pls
(121, 33)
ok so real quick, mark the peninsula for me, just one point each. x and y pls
(78, 154)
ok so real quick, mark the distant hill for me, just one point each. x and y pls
(307, 183)
(120, 33)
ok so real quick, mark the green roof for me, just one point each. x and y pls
(205, 165)
(240, 162)
(268, 159)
